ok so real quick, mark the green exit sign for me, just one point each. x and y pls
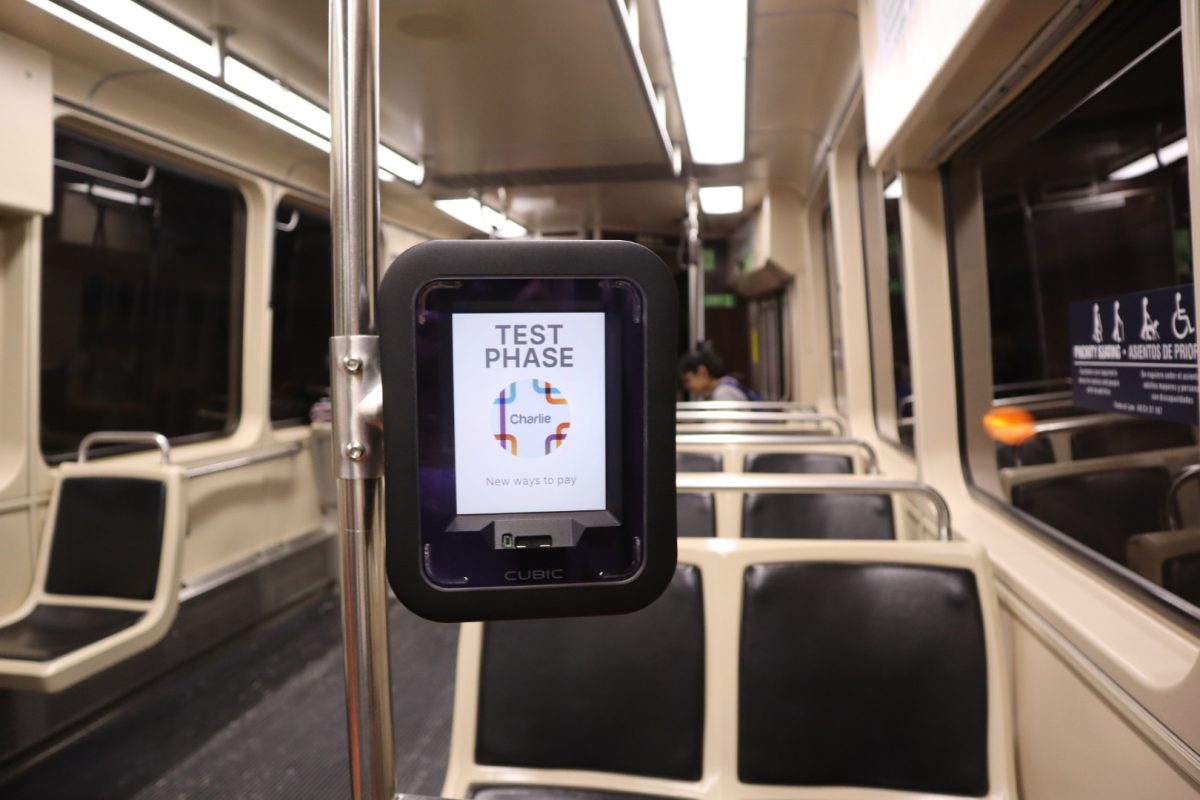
(720, 300)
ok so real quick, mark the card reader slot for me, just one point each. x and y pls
(530, 542)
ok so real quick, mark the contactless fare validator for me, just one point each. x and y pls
(529, 428)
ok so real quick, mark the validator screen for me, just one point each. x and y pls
(529, 412)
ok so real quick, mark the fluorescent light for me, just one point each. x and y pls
(161, 32)
(707, 39)
(1168, 154)
(398, 165)
(275, 95)
(265, 98)
(482, 218)
(893, 191)
(1173, 152)
(721, 199)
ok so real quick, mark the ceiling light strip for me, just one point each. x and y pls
(482, 218)
(194, 61)
(707, 40)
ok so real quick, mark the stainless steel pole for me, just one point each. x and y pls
(354, 373)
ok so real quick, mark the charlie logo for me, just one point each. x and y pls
(530, 418)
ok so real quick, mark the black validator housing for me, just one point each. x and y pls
(614, 554)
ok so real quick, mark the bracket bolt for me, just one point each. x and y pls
(352, 364)
(356, 451)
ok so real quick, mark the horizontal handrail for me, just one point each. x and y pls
(125, 437)
(1079, 423)
(105, 175)
(1185, 475)
(767, 441)
(1044, 398)
(832, 425)
(744, 405)
(758, 418)
(243, 461)
(808, 484)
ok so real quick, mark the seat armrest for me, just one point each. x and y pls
(1148, 551)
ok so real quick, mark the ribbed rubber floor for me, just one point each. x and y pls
(262, 716)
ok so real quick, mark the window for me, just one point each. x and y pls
(1075, 194)
(883, 248)
(141, 321)
(833, 297)
(302, 313)
(768, 356)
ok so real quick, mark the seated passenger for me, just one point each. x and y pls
(703, 373)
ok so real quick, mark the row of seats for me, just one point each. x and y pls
(783, 664)
(787, 516)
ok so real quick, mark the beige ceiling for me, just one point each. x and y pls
(545, 99)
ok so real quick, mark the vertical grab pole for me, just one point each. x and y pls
(354, 374)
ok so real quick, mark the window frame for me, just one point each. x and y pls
(872, 218)
(155, 153)
(964, 231)
(833, 311)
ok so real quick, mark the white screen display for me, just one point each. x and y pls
(529, 412)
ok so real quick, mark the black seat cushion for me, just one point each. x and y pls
(865, 675)
(698, 462)
(107, 538)
(1181, 575)
(804, 463)
(51, 631)
(1134, 436)
(1100, 509)
(694, 514)
(614, 694)
(817, 516)
(550, 793)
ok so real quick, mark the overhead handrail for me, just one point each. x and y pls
(125, 437)
(1174, 517)
(744, 405)
(775, 440)
(111, 177)
(808, 484)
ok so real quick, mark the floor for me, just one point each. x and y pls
(261, 716)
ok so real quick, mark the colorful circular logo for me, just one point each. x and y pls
(530, 418)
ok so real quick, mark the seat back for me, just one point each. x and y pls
(799, 463)
(695, 514)
(863, 674)
(687, 461)
(107, 538)
(1100, 509)
(614, 694)
(817, 516)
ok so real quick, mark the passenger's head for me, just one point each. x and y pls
(700, 370)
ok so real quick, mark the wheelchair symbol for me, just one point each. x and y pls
(1181, 324)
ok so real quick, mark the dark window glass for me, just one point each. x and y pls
(901, 364)
(142, 268)
(1084, 190)
(302, 312)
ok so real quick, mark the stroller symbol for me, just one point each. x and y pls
(1181, 324)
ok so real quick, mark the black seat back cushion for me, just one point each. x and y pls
(614, 694)
(1181, 575)
(694, 514)
(1100, 509)
(817, 516)
(1134, 436)
(698, 462)
(802, 463)
(864, 675)
(550, 793)
(107, 538)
